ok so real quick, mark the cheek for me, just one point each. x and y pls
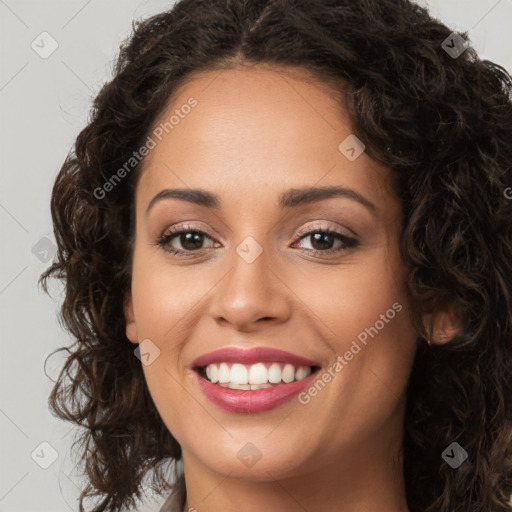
(164, 298)
(351, 297)
(163, 295)
(366, 310)
(365, 313)
(345, 298)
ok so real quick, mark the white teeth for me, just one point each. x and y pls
(223, 373)
(245, 386)
(214, 373)
(288, 373)
(255, 376)
(258, 374)
(239, 374)
(301, 372)
(274, 373)
(232, 385)
(260, 386)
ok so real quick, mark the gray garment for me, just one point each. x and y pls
(176, 500)
(171, 504)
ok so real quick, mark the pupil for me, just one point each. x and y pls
(319, 237)
(191, 240)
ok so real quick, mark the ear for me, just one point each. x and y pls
(129, 317)
(443, 322)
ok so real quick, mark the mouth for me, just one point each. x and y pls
(253, 388)
(252, 380)
(250, 377)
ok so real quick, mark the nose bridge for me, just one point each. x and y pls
(250, 291)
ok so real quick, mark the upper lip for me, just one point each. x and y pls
(250, 356)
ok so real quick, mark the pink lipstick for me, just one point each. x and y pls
(254, 380)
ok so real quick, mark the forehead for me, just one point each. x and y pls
(252, 129)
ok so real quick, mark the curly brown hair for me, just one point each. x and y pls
(444, 127)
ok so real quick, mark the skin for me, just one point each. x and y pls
(255, 133)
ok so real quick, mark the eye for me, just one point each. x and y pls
(322, 240)
(189, 238)
(192, 240)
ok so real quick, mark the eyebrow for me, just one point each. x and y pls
(292, 198)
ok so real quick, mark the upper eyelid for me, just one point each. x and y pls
(301, 233)
(319, 227)
(348, 242)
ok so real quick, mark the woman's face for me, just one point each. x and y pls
(256, 139)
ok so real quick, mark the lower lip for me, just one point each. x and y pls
(257, 400)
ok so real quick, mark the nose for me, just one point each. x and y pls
(251, 296)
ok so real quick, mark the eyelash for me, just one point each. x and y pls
(348, 242)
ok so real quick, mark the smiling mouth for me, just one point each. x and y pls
(260, 375)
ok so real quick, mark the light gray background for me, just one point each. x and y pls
(44, 103)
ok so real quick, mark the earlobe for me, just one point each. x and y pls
(442, 324)
(129, 316)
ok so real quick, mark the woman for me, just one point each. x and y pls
(285, 238)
